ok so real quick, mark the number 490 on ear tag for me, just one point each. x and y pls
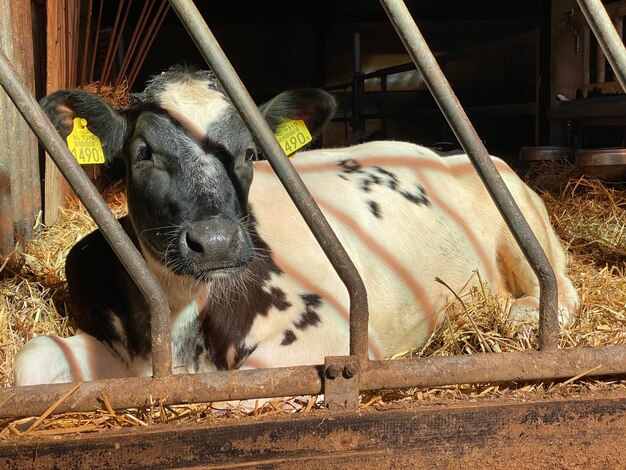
(84, 145)
(292, 135)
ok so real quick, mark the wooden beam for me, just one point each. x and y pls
(575, 433)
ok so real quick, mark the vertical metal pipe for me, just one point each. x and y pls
(357, 86)
(385, 104)
(608, 38)
(471, 143)
(111, 229)
(219, 63)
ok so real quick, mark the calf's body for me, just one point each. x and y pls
(247, 284)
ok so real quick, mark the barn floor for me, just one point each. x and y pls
(588, 215)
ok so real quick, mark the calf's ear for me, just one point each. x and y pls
(312, 105)
(105, 122)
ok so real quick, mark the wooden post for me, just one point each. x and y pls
(19, 167)
(60, 65)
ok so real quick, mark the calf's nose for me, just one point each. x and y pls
(214, 243)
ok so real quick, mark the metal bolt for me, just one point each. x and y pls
(350, 370)
(333, 371)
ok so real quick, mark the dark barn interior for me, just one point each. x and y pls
(530, 74)
(280, 45)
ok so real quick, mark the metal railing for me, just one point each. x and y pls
(547, 363)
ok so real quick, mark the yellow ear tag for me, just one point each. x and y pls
(84, 145)
(292, 135)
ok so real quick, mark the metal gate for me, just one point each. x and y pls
(340, 378)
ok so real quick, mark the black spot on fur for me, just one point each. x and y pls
(309, 317)
(350, 166)
(279, 299)
(368, 177)
(375, 209)
(289, 338)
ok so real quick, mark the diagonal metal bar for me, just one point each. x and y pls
(91, 199)
(607, 36)
(221, 66)
(470, 141)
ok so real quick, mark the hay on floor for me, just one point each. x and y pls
(587, 214)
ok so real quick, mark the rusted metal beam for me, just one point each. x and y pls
(607, 36)
(470, 141)
(308, 380)
(97, 208)
(221, 66)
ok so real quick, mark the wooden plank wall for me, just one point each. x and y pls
(62, 50)
(20, 201)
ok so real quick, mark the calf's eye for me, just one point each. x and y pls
(143, 153)
(250, 155)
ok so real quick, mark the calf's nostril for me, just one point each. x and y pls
(193, 244)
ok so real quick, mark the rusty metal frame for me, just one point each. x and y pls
(547, 363)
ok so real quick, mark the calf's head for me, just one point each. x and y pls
(188, 158)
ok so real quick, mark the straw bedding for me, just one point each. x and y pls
(588, 216)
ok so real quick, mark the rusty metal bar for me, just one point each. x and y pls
(307, 380)
(95, 42)
(134, 40)
(109, 55)
(608, 38)
(83, 69)
(219, 63)
(473, 146)
(151, 34)
(115, 39)
(112, 230)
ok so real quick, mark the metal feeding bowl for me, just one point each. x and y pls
(528, 155)
(607, 164)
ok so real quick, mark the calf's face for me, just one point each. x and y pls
(188, 158)
(188, 172)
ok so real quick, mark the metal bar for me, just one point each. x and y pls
(215, 57)
(586, 59)
(609, 40)
(473, 146)
(109, 56)
(83, 69)
(134, 40)
(114, 233)
(358, 85)
(117, 36)
(385, 104)
(424, 372)
(151, 34)
(147, 27)
(95, 42)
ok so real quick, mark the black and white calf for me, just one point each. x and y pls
(247, 284)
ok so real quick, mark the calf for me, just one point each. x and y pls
(246, 282)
